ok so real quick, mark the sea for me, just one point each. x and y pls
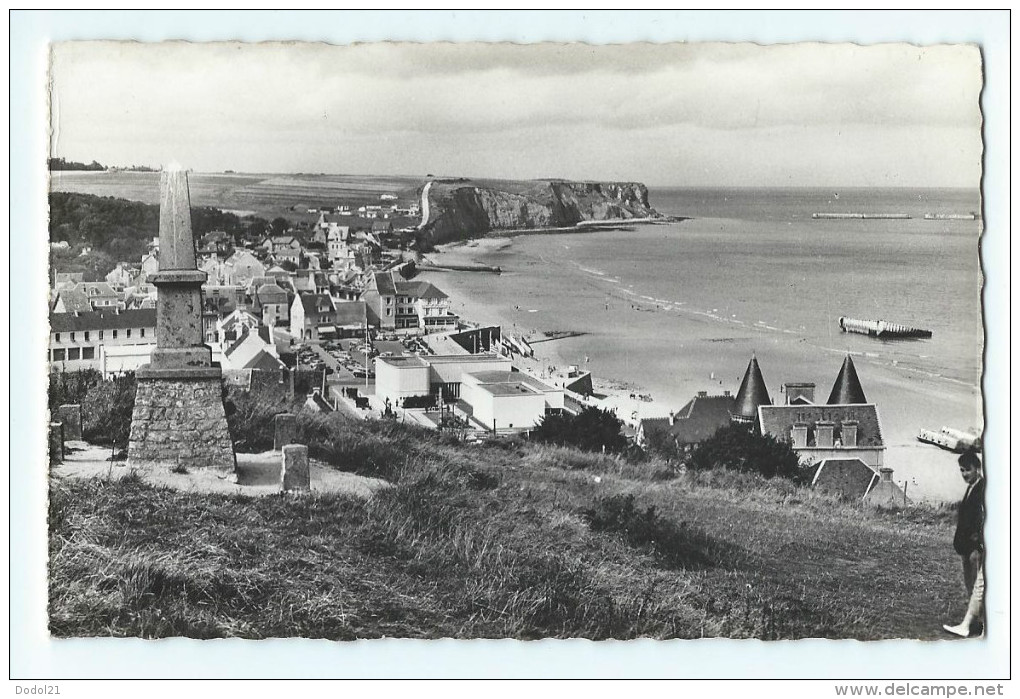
(681, 307)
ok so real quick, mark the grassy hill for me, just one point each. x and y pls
(502, 540)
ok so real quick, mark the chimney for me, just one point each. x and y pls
(799, 435)
(726, 393)
(848, 429)
(702, 394)
(672, 418)
(885, 474)
(823, 433)
(799, 390)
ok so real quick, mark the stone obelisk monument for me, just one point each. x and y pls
(178, 420)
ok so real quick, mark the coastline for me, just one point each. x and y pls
(683, 351)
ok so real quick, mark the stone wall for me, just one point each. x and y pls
(180, 421)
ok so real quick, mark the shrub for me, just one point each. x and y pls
(413, 402)
(593, 429)
(71, 387)
(106, 411)
(740, 448)
(676, 545)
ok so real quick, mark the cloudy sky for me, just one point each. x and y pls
(666, 114)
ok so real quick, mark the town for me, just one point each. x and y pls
(333, 311)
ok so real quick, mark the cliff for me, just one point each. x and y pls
(460, 209)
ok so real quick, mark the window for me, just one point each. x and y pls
(73, 353)
(72, 337)
(88, 352)
(128, 332)
(56, 337)
(143, 332)
(114, 334)
(388, 311)
(100, 334)
(86, 336)
(58, 355)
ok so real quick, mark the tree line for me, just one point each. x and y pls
(102, 231)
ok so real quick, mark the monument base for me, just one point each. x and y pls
(179, 422)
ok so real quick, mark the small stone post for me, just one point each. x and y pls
(294, 474)
(70, 416)
(56, 443)
(285, 429)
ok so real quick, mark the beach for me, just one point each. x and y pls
(671, 347)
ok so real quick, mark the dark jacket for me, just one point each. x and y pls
(971, 521)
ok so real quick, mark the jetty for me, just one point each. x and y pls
(882, 329)
(951, 217)
(836, 215)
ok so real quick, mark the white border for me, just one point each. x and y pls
(33, 655)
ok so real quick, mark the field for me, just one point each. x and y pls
(515, 540)
(265, 195)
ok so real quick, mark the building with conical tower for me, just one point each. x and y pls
(751, 395)
(845, 427)
(847, 389)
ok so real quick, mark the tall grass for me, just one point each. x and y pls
(497, 540)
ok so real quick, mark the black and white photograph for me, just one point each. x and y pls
(494, 340)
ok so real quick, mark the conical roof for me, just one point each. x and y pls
(847, 389)
(752, 392)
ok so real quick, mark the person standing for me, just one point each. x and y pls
(969, 542)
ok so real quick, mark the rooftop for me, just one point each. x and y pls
(103, 320)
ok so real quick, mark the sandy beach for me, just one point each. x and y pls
(636, 346)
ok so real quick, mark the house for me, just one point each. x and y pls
(70, 300)
(213, 268)
(351, 318)
(66, 279)
(313, 317)
(76, 339)
(845, 427)
(291, 255)
(215, 243)
(122, 276)
(276, 243)
(310, 281)
(695, 422)
(140, 296)
(232, 326)
(241, 267)
(272, 303)
(86, 296)
(252, 349)
(337, 248)
(380, 228)
(394, 303)
(148, 267)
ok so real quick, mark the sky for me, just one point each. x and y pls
(663, 114)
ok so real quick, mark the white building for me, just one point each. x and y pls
(77, 339)
(484, 385)
(502, 400)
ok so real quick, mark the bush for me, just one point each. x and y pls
(676, 545)
(107, 409)
(740, 448)
(106, 406)
(592, 429)
(71, 387)
(413, 402)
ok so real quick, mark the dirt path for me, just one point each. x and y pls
(256, 475)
